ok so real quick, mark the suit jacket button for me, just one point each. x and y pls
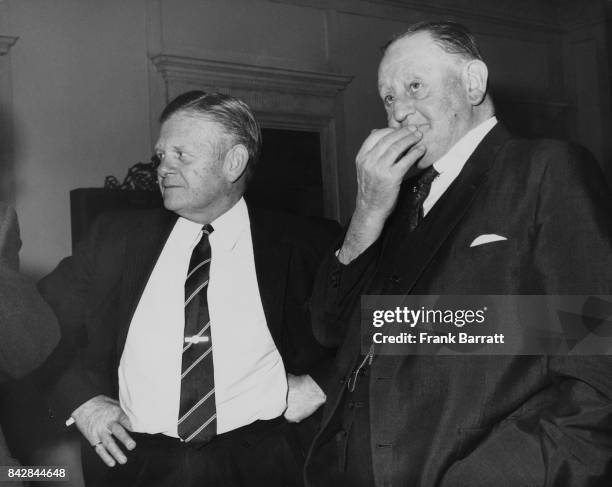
(395, 279)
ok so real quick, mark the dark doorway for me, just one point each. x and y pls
(288, 175)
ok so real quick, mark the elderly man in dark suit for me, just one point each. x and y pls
(28, 328)
(486, 213)
(196, 347)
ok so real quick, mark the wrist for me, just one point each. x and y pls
(369, 214)
(364, 229)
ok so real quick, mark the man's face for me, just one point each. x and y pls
(421, 85)
(191, 178)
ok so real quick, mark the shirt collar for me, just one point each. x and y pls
(458, 154)
(228, 226)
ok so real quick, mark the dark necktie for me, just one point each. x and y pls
(197, 412)
(419, 192)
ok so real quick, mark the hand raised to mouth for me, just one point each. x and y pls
(382, 162)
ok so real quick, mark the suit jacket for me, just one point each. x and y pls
(481, 420)
(28, 328)
(96, 291)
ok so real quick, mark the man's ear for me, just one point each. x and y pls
(235, 163)
(475, 76)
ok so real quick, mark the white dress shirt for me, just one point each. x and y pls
(450, 164)
(250, 379)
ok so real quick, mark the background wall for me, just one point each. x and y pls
(79, 95)
(80, 109)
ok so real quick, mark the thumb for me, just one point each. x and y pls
(125, 421)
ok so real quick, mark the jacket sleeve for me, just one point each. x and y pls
(304, 355)
(337, 291)
(563, 435)
(77, 374)
(28, 328)
(574, 256)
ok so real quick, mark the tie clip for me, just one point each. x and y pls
(197, 339)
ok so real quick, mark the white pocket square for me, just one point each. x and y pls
(486, 238)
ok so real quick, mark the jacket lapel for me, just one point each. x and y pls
(271, 254)
(145, 242)
(409, 254)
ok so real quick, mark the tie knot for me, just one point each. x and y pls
(207, 229)
(427, 177)
(202, 247)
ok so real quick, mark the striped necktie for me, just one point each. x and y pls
(197, 412)
(420, 190)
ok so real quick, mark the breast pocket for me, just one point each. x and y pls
(491, 268)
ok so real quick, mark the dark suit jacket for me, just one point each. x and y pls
(95, 293)
(28, 329)
(481, 420)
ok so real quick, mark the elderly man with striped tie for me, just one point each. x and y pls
(195, 349)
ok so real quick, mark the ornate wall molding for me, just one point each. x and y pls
(287, 84)
(281, 98)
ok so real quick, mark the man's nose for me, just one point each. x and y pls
(165, 166)
(162, 169)
(400, 112)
